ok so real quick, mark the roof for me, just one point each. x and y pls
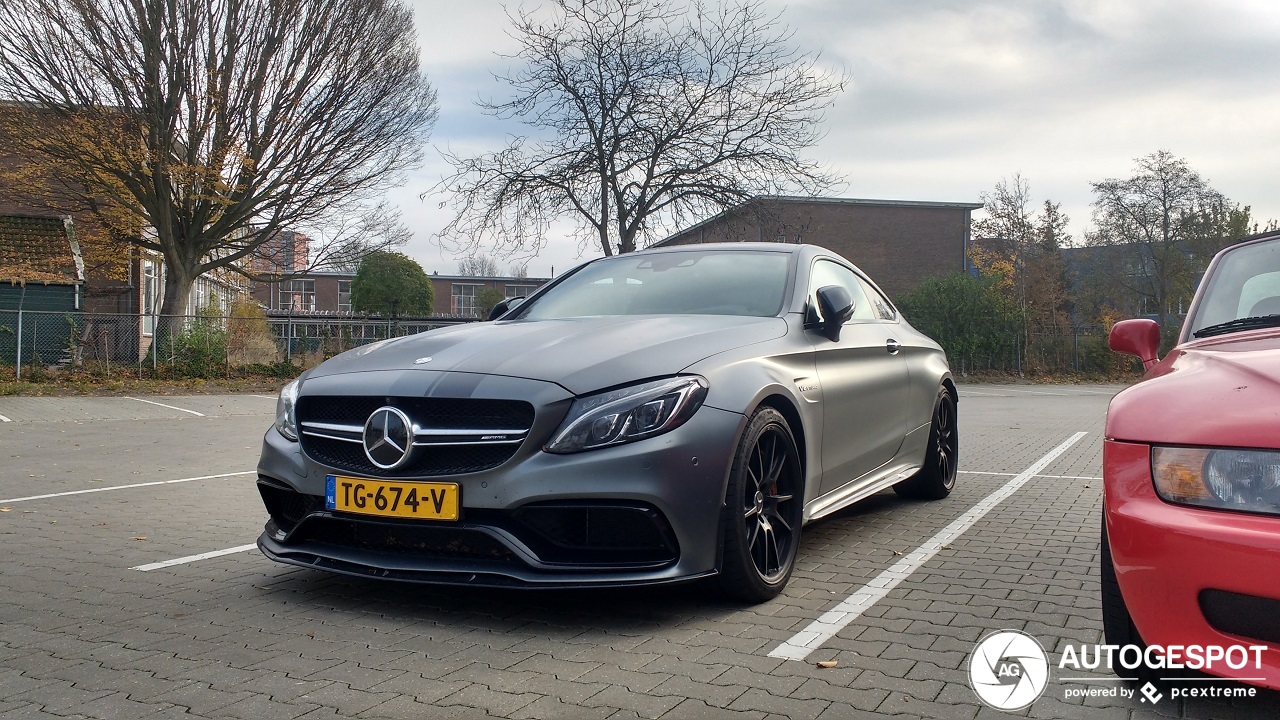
(344, 275)
(39, 249)
(801, 199)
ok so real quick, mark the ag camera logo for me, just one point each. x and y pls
(1008, 670)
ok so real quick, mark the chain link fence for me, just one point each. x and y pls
(34, 344)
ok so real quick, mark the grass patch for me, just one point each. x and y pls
(263, 379)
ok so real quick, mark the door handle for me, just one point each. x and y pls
(892, 346)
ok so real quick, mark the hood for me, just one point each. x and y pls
(1222, 391)
(579, 354)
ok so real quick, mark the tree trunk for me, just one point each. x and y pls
(173, 310)
(603, 226)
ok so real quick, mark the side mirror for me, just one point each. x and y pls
(836, 305)
(1136, 337)
(501, 308)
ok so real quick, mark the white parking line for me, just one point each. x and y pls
(264, 397)
(1034, 392)
(1009, 474)
(193, 558)
(171, 407)
(124, 487)
(836, 619)
(4, 419)
(967, 393)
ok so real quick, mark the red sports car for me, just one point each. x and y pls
(1191, 505)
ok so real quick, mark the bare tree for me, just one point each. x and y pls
(1168, 222)
(643, 115)
(479, 265)
(1021, 250)
(218, 123)
(519, 270)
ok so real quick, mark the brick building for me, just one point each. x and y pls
(897, 242)
(330, 292)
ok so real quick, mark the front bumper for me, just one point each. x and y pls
(1186, 573)
(517, 526)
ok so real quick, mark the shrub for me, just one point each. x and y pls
(249, 337)
(200, 350)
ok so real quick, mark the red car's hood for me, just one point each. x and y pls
(1220, 391)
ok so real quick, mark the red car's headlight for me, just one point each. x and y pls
(1225, 478)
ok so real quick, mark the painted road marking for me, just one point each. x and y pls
(125, 487)
(171, 407)
(4, 419)
(193, 558)
(1009, 474)
(1034, 392)
(264, 397)
(836, 619)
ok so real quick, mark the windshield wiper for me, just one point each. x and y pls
(1248, 323)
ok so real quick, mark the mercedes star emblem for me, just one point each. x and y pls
(388, 437)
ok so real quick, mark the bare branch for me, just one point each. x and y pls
(645, 115)
(219, 123)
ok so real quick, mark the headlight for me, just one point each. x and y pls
(1247, 480)
(286, 414)
(628, 414)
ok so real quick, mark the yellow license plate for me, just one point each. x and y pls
(423, 500)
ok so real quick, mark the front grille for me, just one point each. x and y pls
(426, 461)
(467, 455)
(445, 413)
(1246, 616)
(410, 538)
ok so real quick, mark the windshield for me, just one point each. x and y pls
(1245, 283)
(672, 283)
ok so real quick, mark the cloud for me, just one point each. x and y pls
(947, 97)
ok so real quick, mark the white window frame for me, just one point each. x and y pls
(298, 294)
(344, 307)
(464, 303)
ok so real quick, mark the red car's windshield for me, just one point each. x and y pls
(1243, 284)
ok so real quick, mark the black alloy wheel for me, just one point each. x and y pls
(764, 510)
(937, 478)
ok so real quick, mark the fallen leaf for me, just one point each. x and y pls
(5, 509)
(311, 635)
(139, 537)
(826, 663)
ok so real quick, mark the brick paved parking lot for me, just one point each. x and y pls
(92, 489)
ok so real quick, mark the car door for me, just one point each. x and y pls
(863, 376)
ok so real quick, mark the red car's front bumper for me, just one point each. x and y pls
(1167, 555)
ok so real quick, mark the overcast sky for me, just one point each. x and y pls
(947, 98)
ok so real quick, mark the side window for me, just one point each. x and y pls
(826, 272)
(883, 308)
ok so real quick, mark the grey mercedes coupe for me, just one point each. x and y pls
(661, 416)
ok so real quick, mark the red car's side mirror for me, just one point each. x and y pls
(1136, 337)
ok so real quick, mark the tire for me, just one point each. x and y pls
(763, 511)
(938, 476)
(1117, 625)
